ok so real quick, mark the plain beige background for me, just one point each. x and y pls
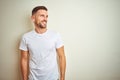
(90, 30)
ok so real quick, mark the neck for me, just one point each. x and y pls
(40, 30)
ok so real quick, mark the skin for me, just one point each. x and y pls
(40, 21)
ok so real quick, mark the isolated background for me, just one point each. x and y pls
(90, 30)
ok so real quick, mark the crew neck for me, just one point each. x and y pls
(40, 34)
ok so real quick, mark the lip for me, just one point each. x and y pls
(44, 22)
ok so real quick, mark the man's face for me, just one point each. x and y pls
(40, 18)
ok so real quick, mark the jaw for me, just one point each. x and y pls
(42, 26)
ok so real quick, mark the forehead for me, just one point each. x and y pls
(42, 12)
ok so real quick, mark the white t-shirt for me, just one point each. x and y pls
(42, 49)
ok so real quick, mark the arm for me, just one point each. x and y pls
(62, 62)
(24, 64)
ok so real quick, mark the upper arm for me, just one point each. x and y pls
(60, 51)
(24, 54)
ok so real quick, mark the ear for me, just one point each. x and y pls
(33, 18)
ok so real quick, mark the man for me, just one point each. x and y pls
(41, 49)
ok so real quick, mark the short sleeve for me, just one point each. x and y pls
(23, 44)
(59, 41)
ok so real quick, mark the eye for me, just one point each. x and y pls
(41, 15)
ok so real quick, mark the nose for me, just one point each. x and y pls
(45, 18)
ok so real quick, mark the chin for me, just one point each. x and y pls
(42, 27)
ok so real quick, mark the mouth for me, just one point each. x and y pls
(44, 22)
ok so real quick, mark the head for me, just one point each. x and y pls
(39, 16)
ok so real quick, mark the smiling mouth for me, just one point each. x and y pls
(44, 22)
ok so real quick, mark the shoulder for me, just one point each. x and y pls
(28, 34)
(54, 33)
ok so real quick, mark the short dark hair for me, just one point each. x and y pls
(38, 8)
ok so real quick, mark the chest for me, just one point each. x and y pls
(41, 43)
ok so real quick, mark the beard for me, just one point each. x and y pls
(42, 24)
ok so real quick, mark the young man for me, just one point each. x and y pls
(39, 50)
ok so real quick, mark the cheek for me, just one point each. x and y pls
(37, 20)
